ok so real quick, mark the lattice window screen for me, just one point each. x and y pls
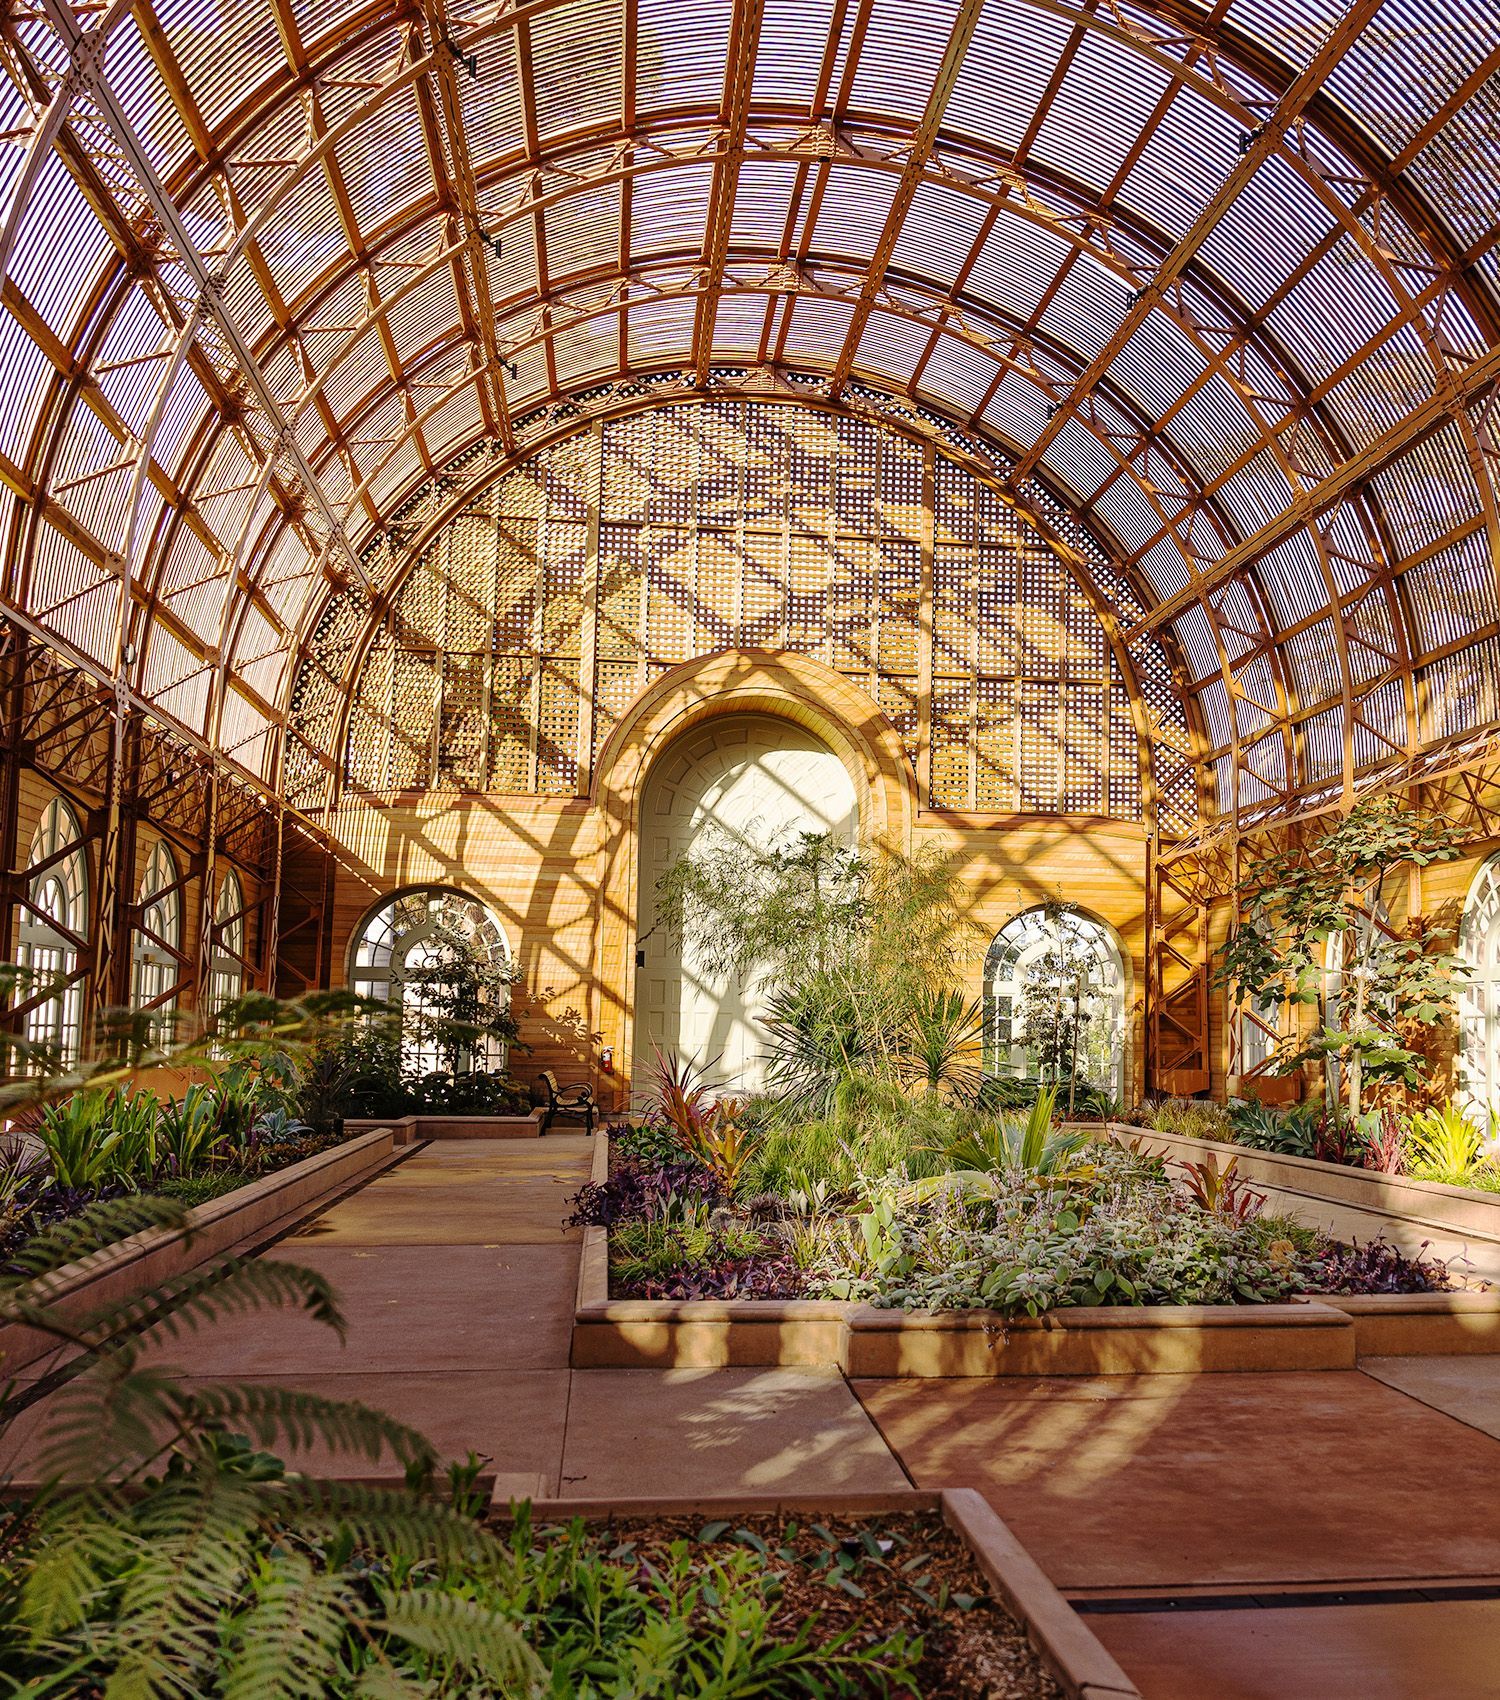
(735, 524)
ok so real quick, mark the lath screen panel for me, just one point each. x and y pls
(744, 525)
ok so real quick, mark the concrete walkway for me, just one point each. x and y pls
(1310, 1536)
(458, 1281)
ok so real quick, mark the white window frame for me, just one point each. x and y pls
(390, 937)
(155, 970)
(1020, 942)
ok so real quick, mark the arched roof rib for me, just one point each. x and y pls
(1224, 275)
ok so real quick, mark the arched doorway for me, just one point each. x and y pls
(754, 777)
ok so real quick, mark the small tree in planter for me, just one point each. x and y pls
(1395, 986)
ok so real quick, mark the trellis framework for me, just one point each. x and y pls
(533, 617)
(266, 273)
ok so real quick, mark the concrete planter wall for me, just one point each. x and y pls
(409, 1130)
(1426, 1206)
(1456, 1210)
(862, 1340)
(239, 1220)
(1082, 1665)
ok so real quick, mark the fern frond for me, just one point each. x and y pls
(195, 1546)
(383, 1682)
(231, 1286)
(387, 1520)
(80, 1546)
(453, 1627)
(288, 1416)
(285, 1646)
(101, 1423)
(97, 1228)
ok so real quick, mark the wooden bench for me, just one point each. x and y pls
(574, 1101)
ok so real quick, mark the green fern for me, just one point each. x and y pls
(470, 1634)
(281, 1416)
(387, 1520)
(284, 1645)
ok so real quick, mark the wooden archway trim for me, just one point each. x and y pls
(786, 686)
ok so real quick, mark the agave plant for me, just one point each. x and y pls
(1031, 1146)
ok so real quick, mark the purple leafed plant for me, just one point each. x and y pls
(1385, 1148)
(768, 1277)
(639, 1192)
(1378, 1267)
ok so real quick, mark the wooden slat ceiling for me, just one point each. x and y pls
(1225, 277)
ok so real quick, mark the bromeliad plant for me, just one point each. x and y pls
(708, 1130)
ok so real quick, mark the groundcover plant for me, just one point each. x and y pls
(915, 1204)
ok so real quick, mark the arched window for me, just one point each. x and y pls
(226, 978)
(395, 953)
(54, 919)
(158, 944)
(1054, 984)
(1479, 947)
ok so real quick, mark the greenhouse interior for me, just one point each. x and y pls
(750, 939)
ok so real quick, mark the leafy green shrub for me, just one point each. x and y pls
(1126, 1239)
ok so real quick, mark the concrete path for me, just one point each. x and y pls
(1309, 1536)
(458, 1281)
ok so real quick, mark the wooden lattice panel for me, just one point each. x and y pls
(664, 536)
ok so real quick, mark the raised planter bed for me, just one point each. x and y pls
(866, 1341)
(1458, 1211)
(236, 1221)
(410, 1130)
(1081, 1664)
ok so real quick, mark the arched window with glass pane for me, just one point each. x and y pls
(1479, 950)
(54, 923)
(226, 979)
(158, 944)
(395, 955)
(1054, 986)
